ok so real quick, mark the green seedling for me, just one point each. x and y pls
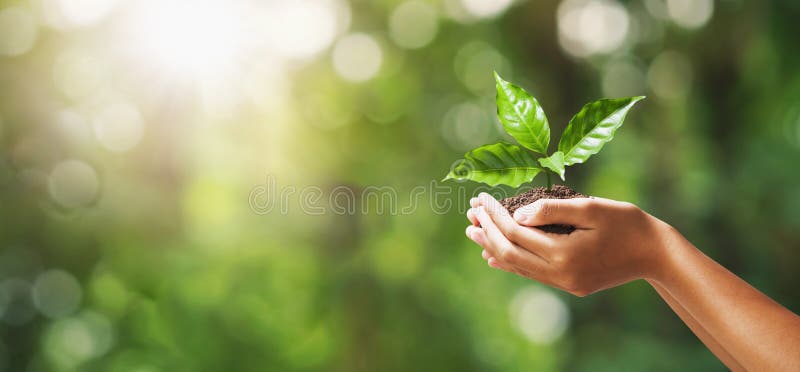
(524, 119)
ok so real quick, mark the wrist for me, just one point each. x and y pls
(668, 248)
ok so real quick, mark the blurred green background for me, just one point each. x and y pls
(137, 137)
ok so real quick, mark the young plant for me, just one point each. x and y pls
(523, 118)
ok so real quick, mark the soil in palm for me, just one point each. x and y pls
(557, 192)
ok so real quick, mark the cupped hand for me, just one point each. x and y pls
(614, 242)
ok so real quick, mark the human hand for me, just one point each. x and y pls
(614, 242)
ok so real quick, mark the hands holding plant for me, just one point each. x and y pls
(614, 242)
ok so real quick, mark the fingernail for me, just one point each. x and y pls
(477, 237)
(521, 214)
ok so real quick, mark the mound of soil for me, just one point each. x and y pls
(557, 192)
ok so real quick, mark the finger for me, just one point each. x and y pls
(473, 202)
(497, 264)
(504, 250)
(500, 265)
(472, 217)
(493, 262)
(533, 240)
(492, 205)
(486, 255)
(472, 232)
(576, 212)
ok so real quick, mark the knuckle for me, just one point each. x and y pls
(509, 255)
(629, 207)
(571, 283)
(591, 206)
(513, 233)
(547, 208)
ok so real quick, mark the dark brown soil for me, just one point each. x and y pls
(557, 192)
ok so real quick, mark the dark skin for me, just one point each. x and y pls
(615, 243)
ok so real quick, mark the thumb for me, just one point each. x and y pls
(574, 212)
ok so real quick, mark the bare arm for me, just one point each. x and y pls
(760, 333)
(616, 243)
(698, 330)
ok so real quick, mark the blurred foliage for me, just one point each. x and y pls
(128, 243)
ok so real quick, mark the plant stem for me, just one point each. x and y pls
(549, 183)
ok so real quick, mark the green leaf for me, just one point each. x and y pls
(500, 163)
(522, 117)
(592, 127)
(554, 163)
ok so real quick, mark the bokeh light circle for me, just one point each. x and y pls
(73, 183)
(466, 125)
(474, 63)
(301, 29)
(72, 341)
(589, 27)
(118, 126)
(486, 8)
(413, 24)
(670, 75)
(16, 307)
(18, 31)
(56, 293)
(73, 127)
(623, 78)
(539, 314)
(77, 74)
(357, 57)
(690, 14)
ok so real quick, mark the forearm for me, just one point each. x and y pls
(698, 329)
(760, 333)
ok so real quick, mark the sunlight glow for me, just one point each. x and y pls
(188, 38)
(213, 39)
(70, 14)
